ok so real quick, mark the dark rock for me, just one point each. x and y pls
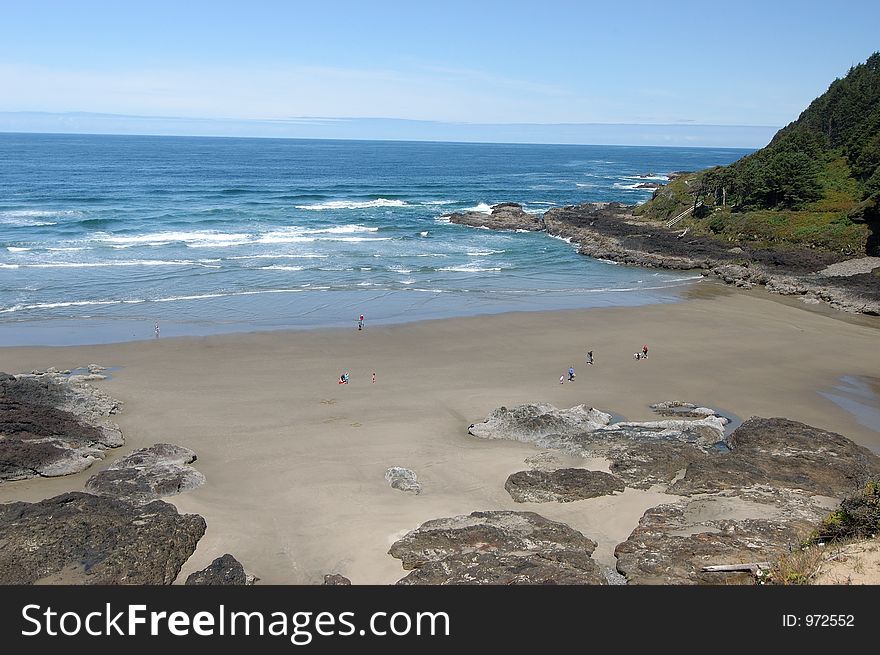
(225, 570)
(673, 542)
(561, 485)
(79, 538)
(336, 579)
(49, 428)
(497, 548)
(782, 453)
(504, 216)
(148, 473)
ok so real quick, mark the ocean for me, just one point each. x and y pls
(102, 237)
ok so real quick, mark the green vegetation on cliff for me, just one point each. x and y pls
(816, 184)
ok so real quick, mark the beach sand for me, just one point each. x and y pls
(295, 462)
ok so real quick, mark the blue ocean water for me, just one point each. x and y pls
(103, 236)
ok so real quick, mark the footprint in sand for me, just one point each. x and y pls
(356, 424)
(328, 401)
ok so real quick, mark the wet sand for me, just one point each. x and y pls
(295, 462)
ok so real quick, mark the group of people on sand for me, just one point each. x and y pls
(642, 354)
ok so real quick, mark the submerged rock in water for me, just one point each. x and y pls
(503, 216)
(403, 479)
(148, 473)
(80, 538)
(224, 571)
(497, 547)
(561, 485)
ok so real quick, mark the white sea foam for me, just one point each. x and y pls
(658, 178)
(34, 217)
(442, 220)
(482, 207)
(284, 237)
(468, 269)
(438, 202)
(423, 234)
(342, 229)
(354, 239)
(16, 249)
(199, 239)
(354, 204)
(126, 262)
(408, 281)
(632, 187)
(303, 256)
(482, 253)
(399, 269)
(279, 267)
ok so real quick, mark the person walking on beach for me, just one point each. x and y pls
(645, 351)
(589, 357)
(561, 379)
(361, 322)
(374, 377)
(157, 330)
(571, 373)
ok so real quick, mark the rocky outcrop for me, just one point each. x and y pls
(148, 473)
(497, 548)
(610, 231)
(561, 485)
(224, 571)
(403, 479)
(641, 453)
(673, 542)
(79, 538)
(541, 424)
(50, 426)
(335, 579)
(754, 503)
(781, 453)
(504, 216)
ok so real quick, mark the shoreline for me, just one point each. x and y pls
(295, 462)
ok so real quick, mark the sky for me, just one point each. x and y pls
(696, 73)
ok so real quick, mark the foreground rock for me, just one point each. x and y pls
(224, 571)
(148, 473)
(403, 479)
(51, 427)
(755, 503)
(497, 548)
(335, 579)
(79, 538)
(673, 542)
(504, 216)
(561, 485)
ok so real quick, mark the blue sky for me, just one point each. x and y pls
(250, 67)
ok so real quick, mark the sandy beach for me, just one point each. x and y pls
(295, 462)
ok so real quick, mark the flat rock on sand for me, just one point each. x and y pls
(562, 485)
(50, 427)
(498, 547)
(148, 473)
(79, 538)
